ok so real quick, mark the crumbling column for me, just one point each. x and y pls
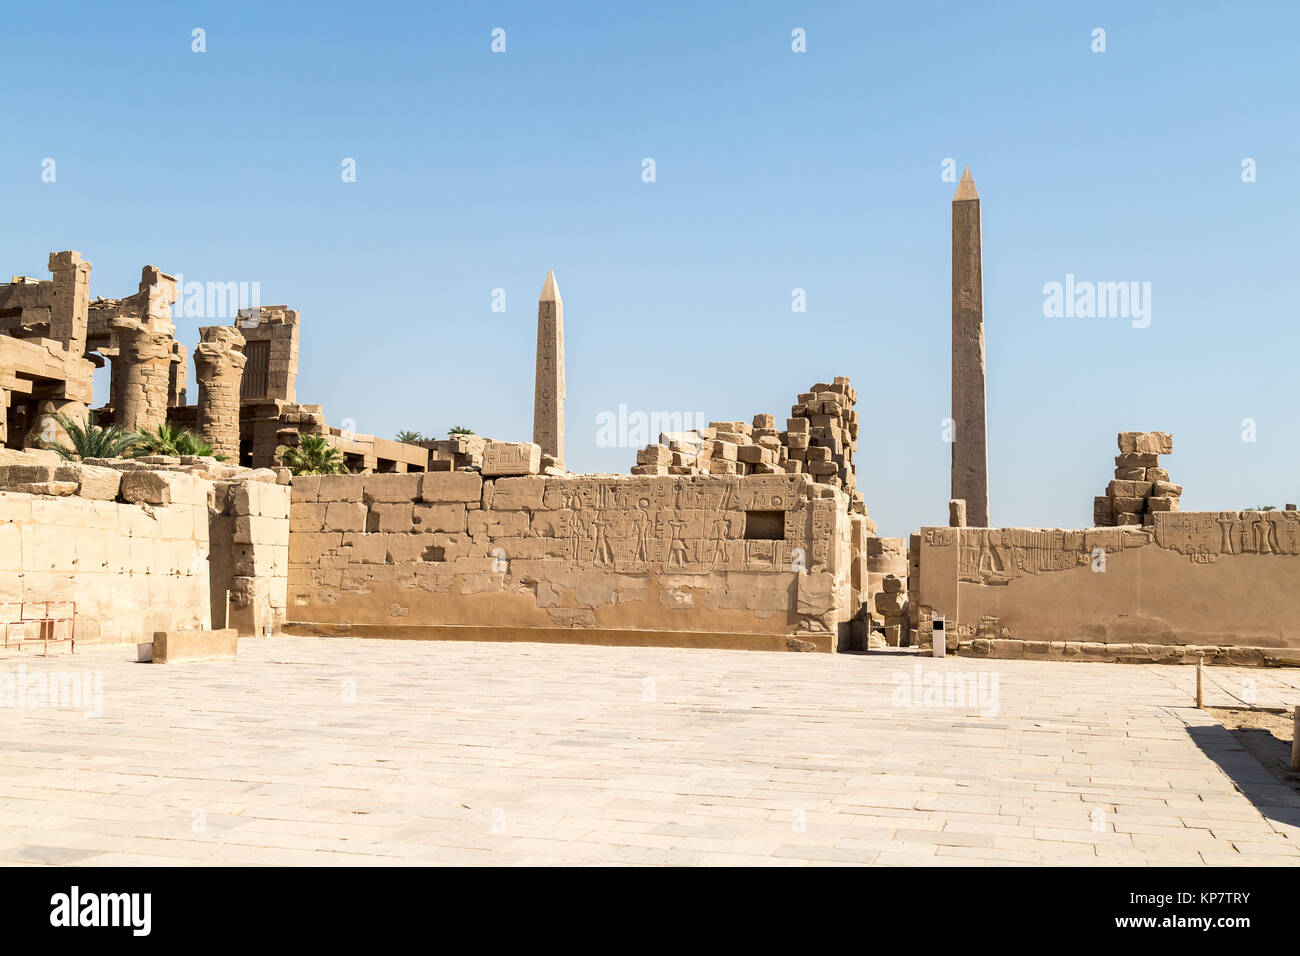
(142, 375)
(548, 397)
(970, 458)
(219, 366)
(70, 308)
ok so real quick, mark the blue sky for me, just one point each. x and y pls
(775, 170)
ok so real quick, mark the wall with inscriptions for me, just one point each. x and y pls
(1205, 578)
(768, 555)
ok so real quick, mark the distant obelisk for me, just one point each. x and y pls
(548, 399)
(970, 456)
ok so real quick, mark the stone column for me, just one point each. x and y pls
(970, 459)
(219, 367)
(4, 417)
(70, 309)
(548, 397)
(141, 375)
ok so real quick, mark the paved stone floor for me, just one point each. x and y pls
(333, 751)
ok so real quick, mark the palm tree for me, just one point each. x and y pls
(91, 441)
(313, 456)
(459, 430)
(409, 436)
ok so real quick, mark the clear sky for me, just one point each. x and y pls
(774, 170)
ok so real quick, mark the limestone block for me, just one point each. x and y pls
(1150, 443)
(957, 513)
(1130, 505)
(1165, 489)
(512, 494)
(1163, 503)
(1132, 474)
(511, 458)
(448, 486)
(654, 455)
(1127, 518)
(1156, 474)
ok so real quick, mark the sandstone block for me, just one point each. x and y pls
(93, 481)
(1156, 474)
(1128, 489)
(512, 494)
(449, 518)
(1133, 505)
(449, 486)
(1165, 489)
(1163, 503)
(340, 487)
(654, 455)
(173, 647)
(344, 516)
(1150, 443)
(511, 458)
(390, 516)
(391, 488)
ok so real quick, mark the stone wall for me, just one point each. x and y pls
(143, 545)
(1192, 579)
(761, 561)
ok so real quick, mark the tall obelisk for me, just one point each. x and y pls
(970, 456)
(548, 399)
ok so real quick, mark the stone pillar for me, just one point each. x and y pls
(70, 309)
(177, 379)
(548, 397)
(219, 368)
(142, 375)
(4, 417)
(970, 459)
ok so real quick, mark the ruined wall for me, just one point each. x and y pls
(131, 568)
(760, 561)
(1211, 579)
(143, 545)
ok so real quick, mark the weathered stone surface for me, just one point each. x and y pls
(447, 486)
(175, 647)
(1146, 443)
(511, 458)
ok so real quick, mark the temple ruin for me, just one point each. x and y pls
(752, 532)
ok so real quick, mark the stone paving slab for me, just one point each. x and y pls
(339, 752)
